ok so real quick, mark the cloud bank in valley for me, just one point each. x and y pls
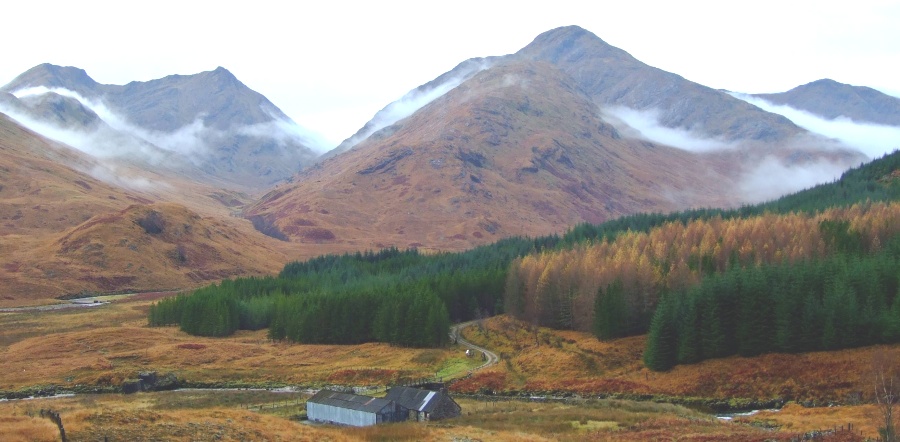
(771, 178)
(285, 133)
(645, 124)
(117, 137)
(765, 180)
(111, 139)
(191, 140)
(873, 140)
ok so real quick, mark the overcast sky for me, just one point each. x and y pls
(331, 66)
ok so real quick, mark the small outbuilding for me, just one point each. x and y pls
(424, 405)
(354, 410)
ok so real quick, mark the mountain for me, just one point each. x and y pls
(63, 230)
(830, 99)
(381, 125)
(55, 77)
(612, 77)
(211, 121)
(60, 110)
(533, 142)
(43, 188)
(144, 246)
(614, 80)
(514, 149)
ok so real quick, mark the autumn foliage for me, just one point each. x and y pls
(561, 288)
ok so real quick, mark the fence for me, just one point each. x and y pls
(54, 417)
(824, 435)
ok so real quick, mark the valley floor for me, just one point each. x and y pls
(99, 348)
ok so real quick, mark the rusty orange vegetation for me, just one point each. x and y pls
(546, 360)
(105, 345)
(669, 256)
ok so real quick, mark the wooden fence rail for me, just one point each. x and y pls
(54, 417)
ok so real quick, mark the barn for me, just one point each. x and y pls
(424, 405)
(350, 409)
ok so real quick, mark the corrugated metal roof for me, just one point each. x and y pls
(349, 401)
(414, 398)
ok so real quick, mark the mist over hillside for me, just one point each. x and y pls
(209, 125)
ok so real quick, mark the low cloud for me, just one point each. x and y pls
(764, 180)
(286, 133)
(119, 137)
(112, 174)
(104, 147)
(115, 140)
(645, 124)
(413, 101)
(771, 178)
(873, 140)
(102, 142)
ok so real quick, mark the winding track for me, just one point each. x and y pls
(492, 357)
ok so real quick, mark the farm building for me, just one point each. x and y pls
(351, 409)
(424, 405)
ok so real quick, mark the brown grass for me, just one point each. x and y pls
(222, 415)
(548, 361)
(105, 345)
(795, 418)
(15, 427)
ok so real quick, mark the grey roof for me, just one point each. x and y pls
(414, 398)
(349, 401)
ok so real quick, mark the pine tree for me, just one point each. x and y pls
(660, 354)
(610, 311)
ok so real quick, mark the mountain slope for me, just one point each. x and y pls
(210, 120)
(63, 231)
(830, 99)
(158, 246)
(612, 77)
(615, 80)
(515, 149)
(53, 76)
(382, 124)
(60, 110)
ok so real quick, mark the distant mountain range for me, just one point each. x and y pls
(516, 149)
(830, 99)
(612, 77)
(566, 130)
(533, 142)
(209, 123)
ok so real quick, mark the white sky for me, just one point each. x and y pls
(331, 66)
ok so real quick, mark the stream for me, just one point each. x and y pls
(86, 302)
(732, 415)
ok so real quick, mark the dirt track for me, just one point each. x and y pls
(455, 331)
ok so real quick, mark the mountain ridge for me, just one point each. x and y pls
(831, 99)
(497, 155)
(614, 78)
(234, 135)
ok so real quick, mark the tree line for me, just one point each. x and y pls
(613, 287)
(845, 300)
(482, 282)
(396, 296)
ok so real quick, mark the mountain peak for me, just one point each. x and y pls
(566, 31)
(50, 76)
(825, 81)
(210, 119)
(223, 74)
(832, 99)
(570, 44)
